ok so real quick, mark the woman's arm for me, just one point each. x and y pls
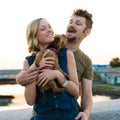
(72, 85)
(30, 93)
(30, 89)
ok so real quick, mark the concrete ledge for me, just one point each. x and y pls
(107, 110)
(17, 114)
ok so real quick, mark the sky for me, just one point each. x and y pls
(101, 45)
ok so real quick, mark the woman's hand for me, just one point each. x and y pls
(45, 76)
(46, 62)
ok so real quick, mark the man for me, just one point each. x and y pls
(79, 27)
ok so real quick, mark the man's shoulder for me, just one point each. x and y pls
(79, 54)
(84, 65)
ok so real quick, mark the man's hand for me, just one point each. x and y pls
(81, 116)
(27, 76)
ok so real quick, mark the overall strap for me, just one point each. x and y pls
(62, 56)
(30, 59)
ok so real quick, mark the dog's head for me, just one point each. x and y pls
(59, 41)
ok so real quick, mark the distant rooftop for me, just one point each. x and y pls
(9, 73)
(101, 66)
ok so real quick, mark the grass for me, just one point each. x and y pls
(104, 86)
(107, 86)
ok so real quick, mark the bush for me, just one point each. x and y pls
(115, 62)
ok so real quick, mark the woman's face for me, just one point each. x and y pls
(45, 34)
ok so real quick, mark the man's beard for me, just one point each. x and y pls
(71, 40)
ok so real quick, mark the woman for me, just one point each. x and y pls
(50, 105)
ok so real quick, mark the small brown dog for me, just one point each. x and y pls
(59, 41)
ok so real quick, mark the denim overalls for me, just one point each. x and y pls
(55, 106)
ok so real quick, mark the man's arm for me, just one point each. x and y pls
(26, 75)
(29, 73)
(86, 100)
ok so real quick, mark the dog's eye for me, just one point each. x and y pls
(57, 38)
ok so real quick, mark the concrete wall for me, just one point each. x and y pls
(107, 110)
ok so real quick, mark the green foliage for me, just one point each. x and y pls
(96, 76)
(104, 86)
(115, 62)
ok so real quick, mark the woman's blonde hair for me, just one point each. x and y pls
(31, 35)
(32, 41)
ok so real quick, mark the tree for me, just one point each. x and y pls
(115, 62)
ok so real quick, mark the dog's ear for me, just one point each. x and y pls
(38, 58)
(60, 40)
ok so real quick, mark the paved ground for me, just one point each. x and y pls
(105, 110)
(17, 114)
